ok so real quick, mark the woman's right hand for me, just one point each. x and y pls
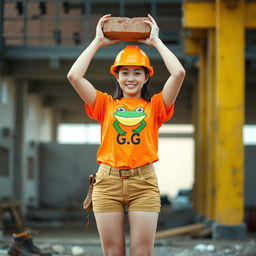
(100, 37)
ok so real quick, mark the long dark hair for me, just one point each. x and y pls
(146, 93)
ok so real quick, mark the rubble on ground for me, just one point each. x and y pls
(178, 246)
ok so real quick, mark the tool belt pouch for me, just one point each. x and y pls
(87, 204)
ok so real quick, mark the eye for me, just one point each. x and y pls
(139, 110)
(138, 73)
(121, 109)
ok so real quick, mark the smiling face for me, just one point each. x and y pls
(131, 80)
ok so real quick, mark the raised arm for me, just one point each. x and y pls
(76, 74)
(177, 72)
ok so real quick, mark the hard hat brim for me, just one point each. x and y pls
(113, 68)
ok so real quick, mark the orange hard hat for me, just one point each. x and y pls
(132, 55)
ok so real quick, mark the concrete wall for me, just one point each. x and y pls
(250, 176)
(64, 171)
(24, 122)
(37, 123)
(7, 121)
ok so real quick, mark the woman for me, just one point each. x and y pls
(126, 180)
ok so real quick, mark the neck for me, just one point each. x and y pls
(136, 96)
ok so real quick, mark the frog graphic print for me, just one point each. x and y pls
(129, 118)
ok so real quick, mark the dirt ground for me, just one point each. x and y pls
(73, 239)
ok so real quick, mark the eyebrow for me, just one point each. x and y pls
(134, 69)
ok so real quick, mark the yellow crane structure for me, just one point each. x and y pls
(217, 36)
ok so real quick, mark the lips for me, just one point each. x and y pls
(130, 86)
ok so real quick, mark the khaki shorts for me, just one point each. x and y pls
(117, 189)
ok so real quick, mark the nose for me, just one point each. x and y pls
(130, 77)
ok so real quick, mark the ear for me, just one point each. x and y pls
(147, 77)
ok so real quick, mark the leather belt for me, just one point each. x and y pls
(124, 173)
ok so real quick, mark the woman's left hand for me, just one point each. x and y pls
(154, 33)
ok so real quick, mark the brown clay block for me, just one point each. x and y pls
(126, 29)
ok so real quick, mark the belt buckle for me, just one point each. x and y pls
(124, 173)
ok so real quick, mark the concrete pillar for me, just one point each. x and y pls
(230, 69)
(19, 161)
(56, 122)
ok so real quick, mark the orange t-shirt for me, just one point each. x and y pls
(129, 129)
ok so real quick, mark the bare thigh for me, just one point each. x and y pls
(112, 232)
(142, 232)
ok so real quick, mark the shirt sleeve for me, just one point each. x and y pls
(97, 112)
(162, 114)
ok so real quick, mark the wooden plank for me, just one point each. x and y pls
(204, 233)
(179, 231)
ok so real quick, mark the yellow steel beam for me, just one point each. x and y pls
(250, 15)
(230, 82)
(191, 42)
(198, 15)
(202, 15)
(191, 46)
(211, 125)
(195, 123)
(198, 34)
(201, 126)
